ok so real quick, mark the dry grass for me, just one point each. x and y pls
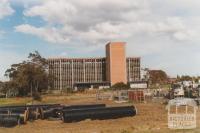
(14, 101)
(151, 118)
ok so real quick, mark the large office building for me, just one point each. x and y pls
(95, 72)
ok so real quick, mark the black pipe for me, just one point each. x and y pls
(56, 112)
(34, 110)
(84, 106)
(9, 120)
(98, 113)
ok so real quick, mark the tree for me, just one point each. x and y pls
(185, 78)
(158, 77)
(120, 86)
(29, 76)
(1, 86)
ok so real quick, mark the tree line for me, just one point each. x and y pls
(28, 77)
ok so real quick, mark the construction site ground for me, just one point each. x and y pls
(151, 118)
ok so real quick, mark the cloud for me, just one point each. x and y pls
(51, 13)
(5, 9)
(92, 22)
(156, 30)
(99, 21)
(172, 27)
(49, 34)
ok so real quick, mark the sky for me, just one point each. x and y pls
(164, 33)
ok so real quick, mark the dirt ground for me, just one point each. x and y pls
(151, 118)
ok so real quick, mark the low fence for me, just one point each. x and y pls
(136, 95)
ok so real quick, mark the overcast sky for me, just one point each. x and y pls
(164, 33)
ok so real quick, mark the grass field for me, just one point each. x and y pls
(14, 101)
(63, 99)
(151, 118)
